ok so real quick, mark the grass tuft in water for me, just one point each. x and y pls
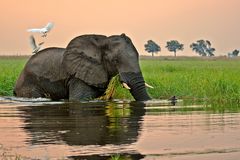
(115, 157)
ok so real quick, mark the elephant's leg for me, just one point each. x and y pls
(78, 90)
(29, 92)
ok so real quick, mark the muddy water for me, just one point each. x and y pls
(41, 129)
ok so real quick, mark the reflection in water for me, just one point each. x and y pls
(83, 124)
(99, 130)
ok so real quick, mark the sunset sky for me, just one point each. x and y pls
(159, 20)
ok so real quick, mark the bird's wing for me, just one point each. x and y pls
(49, 26)
(32, 42)
(35, 30)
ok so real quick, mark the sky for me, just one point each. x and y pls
(159, 20)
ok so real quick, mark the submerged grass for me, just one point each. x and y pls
(206, 79)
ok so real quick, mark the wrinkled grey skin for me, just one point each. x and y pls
(83, 70)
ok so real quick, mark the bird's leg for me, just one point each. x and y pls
(44, 35)
(41, 43)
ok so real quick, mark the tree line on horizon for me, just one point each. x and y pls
(201, 47)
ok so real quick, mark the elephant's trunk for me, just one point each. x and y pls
(136, 84)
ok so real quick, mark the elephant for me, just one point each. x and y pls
(83, 69)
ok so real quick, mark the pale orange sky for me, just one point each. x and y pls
(159, 20)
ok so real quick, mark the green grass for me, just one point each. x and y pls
(199, 79)
(10, 68)
(216, 79)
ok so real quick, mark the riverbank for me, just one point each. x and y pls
(184, 77)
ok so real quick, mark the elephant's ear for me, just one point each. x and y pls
(83, 59)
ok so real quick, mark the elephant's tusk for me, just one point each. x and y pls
(149, 86)
(126, 86)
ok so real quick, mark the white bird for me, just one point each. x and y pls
(43, 30)
(35, 48)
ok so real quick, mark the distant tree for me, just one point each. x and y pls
(174, 46)
(152, 47)
(203, 48)
(233, 53)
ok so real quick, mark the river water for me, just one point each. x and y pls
(41, 129)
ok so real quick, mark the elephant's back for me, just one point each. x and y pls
(47, 64)
(50, 50)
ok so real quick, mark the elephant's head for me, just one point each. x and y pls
(95, 59)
